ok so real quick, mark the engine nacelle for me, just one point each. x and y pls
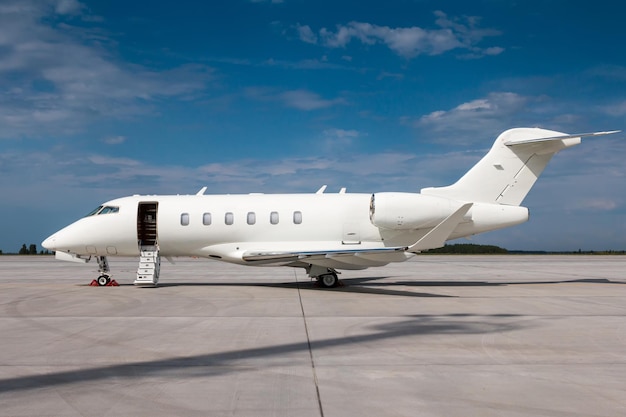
(405, 211)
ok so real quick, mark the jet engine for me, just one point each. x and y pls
(405, 211)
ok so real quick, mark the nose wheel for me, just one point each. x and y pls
(104, 279)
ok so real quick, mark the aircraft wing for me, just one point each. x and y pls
(282, 256)
(356, 258)
(342, 257)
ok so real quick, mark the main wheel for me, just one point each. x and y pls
(328, 280)
(103, 280)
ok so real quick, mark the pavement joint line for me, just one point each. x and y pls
(308, 341)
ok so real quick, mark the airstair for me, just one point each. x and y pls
(149, 259)
(149, 266)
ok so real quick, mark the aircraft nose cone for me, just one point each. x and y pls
(49, 243)
(67, 239)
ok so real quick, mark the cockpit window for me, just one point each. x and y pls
(109, 209)
(103, 210)
(94, 211)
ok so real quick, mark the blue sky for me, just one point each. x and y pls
(101, 99)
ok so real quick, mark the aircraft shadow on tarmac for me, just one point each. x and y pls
(348, 285)
(237, 361)
(371, 285)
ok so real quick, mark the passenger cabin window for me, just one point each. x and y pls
(184, 219)
(297, 217)
(206, 219)
(229, 218)
(251, 217)
(274, 217)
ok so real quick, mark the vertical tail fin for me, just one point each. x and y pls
(508, 171)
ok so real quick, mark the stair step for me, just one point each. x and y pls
(149, 265)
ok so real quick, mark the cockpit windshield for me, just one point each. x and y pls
(103, 210)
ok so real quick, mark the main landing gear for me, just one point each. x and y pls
(330, 280)
(326, 277)
(104, 279)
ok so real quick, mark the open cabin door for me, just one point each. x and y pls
(147, 224)
(147, 239)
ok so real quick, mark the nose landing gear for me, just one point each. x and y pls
(104, 279)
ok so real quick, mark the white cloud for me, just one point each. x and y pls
(609, 72)
(465, 27)
(306, 34)
(341, 133)
(409, 42)
(481, 104)
(114, 140)
(113, 161)
(486, 117)
(298, 99)
(59, 77)
(336, 140)
(68, 7)
(617, 109)
(307, 100)
(493, 50)
(601, 204)
(481, 117)
(305, 64)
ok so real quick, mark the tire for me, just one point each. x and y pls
(328, 280)
(103, 280)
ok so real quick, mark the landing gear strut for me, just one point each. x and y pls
(326, 277)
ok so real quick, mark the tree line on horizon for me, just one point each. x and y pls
(476, 249)
(30, 250)
(468, 249)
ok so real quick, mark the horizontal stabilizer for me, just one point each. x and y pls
(437, 237)
(560, 137)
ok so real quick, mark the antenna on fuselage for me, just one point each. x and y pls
(321, 190)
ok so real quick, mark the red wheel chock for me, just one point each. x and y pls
(112, 283)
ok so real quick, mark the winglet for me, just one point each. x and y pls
(437, 237)
(201, 192)
(321, 190)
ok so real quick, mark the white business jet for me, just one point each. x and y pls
(319, 232)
